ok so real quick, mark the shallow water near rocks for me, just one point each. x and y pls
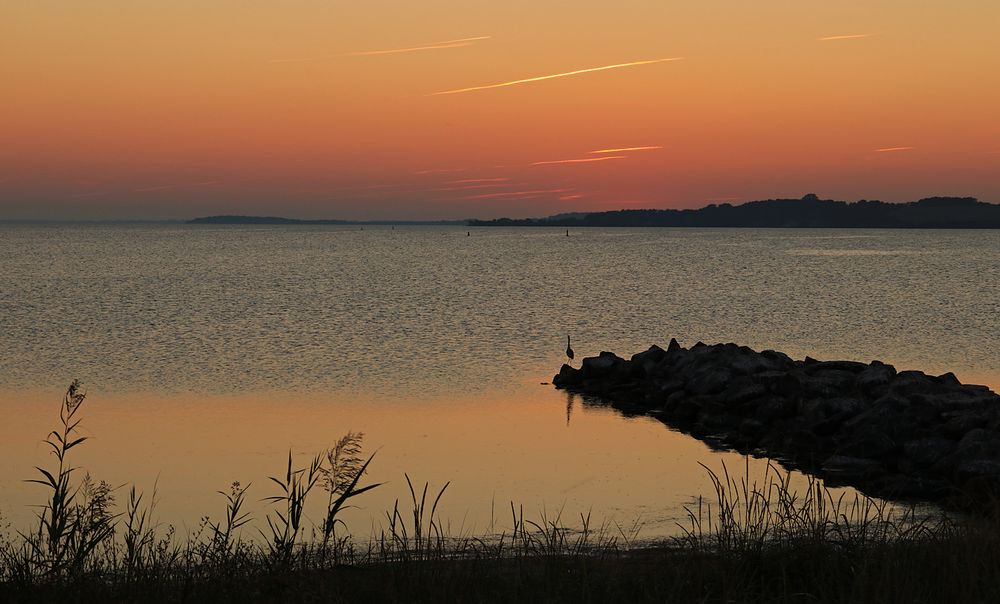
(208, 352)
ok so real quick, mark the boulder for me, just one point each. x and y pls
(739, 393)
(774, 407)
(600, 365)
(874, 380)
(653, 355)
(709, 381)
(925, 452)
(868, 442)
(827, 383)
(852, 367)
(567, 376)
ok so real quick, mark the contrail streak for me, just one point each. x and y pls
(623, 149)
(493, 185)
(517, 194)
(847, 37)
(303, 60)
(440, 171)
(577, 161)
(555, 75)
(472, 180)
(433, 46)
(891, 149)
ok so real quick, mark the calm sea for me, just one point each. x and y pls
(209, 352)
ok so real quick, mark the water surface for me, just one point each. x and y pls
(209, 351)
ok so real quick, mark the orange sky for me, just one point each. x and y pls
(309, 108)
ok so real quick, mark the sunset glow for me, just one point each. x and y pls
(367, 110)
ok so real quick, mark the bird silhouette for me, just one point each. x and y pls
(569, 349)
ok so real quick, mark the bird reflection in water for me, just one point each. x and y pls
(570, 400)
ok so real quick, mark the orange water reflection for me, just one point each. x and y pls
(538, 447)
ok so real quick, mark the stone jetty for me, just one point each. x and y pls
(893, 434)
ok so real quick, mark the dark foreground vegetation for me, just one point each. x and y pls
(754, 541)
(808, 212)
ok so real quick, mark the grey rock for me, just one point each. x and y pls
(869, 442)
(874, 380)
(775, 407)
(653, 355)
(926, 452)
(740, 393)
(853, 367)
(711, 381)
(601, 364)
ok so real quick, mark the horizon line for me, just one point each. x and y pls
(388, 221)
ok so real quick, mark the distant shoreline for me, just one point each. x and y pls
(278, 220)
(807, 212)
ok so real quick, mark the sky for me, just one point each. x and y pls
(449, 109)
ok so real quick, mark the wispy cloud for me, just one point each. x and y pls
(584, 160)
(475, 180)
(298, 60)
(571, 197)
(845, 37)
(893, 149)
(624, 149)
(92, 194)
(440, 171)
(532, 193)
(204, 183)
(492, 185)
(556, 75)
(461, 42)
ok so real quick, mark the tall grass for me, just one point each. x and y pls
(756, 539)
(751, 514)
(69, 528)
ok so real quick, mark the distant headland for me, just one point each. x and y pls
(807, 212)
(235, 219)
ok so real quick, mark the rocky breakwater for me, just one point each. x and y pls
(892, 434)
